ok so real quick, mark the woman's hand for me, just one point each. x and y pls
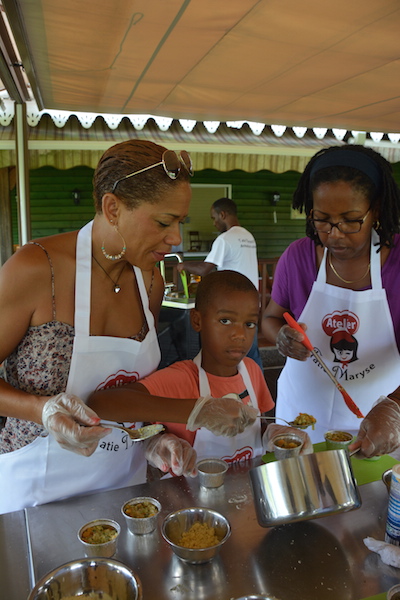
(274, 429)
(379, 432)
(222, 416)
(289, 342)
(167, 451)
(74, 425)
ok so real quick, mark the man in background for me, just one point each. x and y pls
(234, 249)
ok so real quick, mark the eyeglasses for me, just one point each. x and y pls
(351, 226)
(171, 162)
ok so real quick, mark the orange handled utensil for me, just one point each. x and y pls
(306, 342)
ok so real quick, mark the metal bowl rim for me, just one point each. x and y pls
(111, 522)
(193, 509)
(116, 564)
(137, 500)
(338, 441)
(288, 436)
(218, 461)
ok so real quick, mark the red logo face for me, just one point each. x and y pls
(245, 453)
(116, 380)
(340, 321)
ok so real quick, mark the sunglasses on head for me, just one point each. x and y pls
(172, 163)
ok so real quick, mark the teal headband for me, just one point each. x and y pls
(349, 158)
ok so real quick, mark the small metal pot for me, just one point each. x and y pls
(304, 487)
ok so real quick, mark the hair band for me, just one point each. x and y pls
(349, 158)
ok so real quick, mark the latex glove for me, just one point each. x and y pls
(274, 429)
(379, 431)
(389, 553)
(73, 424)
(222, 416)
(288, 343)
(167, 451)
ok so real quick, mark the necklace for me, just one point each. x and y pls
(346, 280)
(116, 288)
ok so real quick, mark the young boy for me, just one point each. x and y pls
(225, 315)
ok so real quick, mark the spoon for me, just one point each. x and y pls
(290, 423)
(137, 435)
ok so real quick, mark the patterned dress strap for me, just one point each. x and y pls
(53, 300)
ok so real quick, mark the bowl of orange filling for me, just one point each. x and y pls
(99, 537)
(141, 514)
(286, 445)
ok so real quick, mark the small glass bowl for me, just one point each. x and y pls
(141, 525)
(105, 549)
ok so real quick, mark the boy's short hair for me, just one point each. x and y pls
(221, 281)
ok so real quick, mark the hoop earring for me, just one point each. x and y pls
(115, 256)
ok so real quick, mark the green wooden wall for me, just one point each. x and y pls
(253, 193)
(53, 209)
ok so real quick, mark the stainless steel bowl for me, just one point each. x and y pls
(101, 575)
(211, 472)
(304, 487)
(106, 549)
(332, 444)
(288, 438)
(176, 523)
(141, 526)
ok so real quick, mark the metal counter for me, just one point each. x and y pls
(15, 575)
(323, 559)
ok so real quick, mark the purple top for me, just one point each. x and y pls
(296, 272)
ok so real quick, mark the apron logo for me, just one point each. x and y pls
(341, 326)
(245, 453)
(118, 379)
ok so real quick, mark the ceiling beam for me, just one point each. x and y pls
(17, 65)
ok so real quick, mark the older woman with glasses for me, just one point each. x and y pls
(77, 314)
(342, 284)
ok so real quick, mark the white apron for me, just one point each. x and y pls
(367, 367)
(243, 446)
(43, 471)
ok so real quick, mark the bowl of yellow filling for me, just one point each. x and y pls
(141, 514)
(196, 535)
(337, 440)
(99, 537)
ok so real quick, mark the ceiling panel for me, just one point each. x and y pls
(310, 63)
